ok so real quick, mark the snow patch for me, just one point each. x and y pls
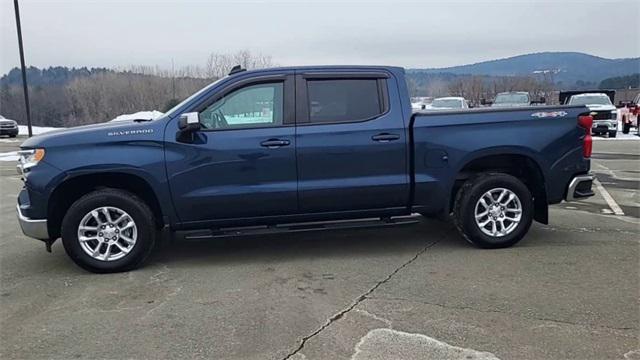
(9, 156)
(393, 344)
(36, 130)
(140, 115)
(620, 136)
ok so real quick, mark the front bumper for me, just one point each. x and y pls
(580, 187)
(605, 125)
(34, 228)
(9, 131)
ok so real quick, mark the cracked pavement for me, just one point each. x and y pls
(569, 290)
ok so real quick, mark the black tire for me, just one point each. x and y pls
(613, 134)
(134, 206)
(626, 128)
(12, 136)
(465, 204)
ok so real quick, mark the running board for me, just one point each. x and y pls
(197, 235)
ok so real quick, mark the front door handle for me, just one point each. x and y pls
(385, 137)
(274, 143)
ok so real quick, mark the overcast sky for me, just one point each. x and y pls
(410, 34)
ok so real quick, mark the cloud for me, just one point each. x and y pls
(412, 34)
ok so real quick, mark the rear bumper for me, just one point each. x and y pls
(580, 187)
(34, 228)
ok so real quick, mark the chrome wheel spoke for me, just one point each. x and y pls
(129, 225)
(501, 196)
(106, 214)
(87, 238)
(122, 248)
(127, 239)
(96, 251)
(96, 217)
(119, 219)
(107, 252)
(482, 215)
(483, 202)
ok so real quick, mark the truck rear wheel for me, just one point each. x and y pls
(108, 231)
(613, 134)
(493, 210)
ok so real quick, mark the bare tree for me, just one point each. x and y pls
(219, 64)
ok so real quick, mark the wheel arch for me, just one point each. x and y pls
(74, 187)
(516, 162)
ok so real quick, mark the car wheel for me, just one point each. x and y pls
(493, 210)
(108, 231)
(613, 134)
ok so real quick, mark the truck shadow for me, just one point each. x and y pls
(330, 244)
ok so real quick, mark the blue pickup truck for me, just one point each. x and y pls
(294, 149)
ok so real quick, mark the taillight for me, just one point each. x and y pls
(586, 122)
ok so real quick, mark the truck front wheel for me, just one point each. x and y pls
(108, 230)
(493, 210)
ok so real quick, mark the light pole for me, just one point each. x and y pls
(24, 69)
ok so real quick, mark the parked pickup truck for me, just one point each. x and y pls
(292, 149)
(600, 103)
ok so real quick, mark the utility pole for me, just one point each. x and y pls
(24, 69)
(173, 81)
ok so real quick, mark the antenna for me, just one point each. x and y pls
(236, 69)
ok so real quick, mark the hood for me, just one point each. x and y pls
(510, 104)
(600, 107)
(438, 108)
(96, 133)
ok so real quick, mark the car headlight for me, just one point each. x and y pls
(614, 114)
(29, 159)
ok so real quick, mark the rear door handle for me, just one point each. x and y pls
(385, 137)
(274, 143)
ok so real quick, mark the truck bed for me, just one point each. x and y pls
(447, 142)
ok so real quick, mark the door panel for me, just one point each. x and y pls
(243, 166)
(350, 165)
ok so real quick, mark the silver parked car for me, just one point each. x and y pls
(8, 127)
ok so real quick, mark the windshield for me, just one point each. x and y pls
(599, 99)
(195, 95)
(512, 99)
(447, 103)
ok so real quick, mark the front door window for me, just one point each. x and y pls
(253, 106)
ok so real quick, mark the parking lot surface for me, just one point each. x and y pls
(568, 290)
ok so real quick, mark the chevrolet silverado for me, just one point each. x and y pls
(297, 149)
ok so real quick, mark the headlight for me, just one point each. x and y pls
(614, 114)
(29, 159)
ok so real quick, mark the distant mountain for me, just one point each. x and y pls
(567, 68)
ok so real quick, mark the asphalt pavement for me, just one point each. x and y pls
(568, 290)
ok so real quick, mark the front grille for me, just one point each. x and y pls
(604, 115)
(7, 126)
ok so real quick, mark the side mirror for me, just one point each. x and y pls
(189, 122)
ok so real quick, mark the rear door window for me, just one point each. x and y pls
(343, 100)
